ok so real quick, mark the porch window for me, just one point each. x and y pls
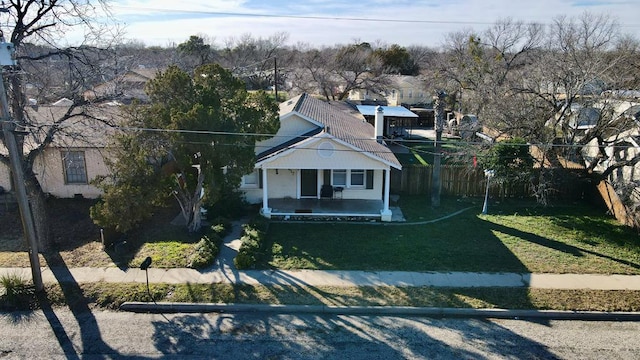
(251, 180)
(339, 177)
(357, 178)
(75, 170)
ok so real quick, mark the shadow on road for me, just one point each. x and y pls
(91, 342)
(263, 336)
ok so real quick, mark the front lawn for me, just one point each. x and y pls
(513, 238)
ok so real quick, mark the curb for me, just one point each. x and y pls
(169, 307)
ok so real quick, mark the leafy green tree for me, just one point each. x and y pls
(511, 161)
(195, 52)
(397, 60)
(196, 137)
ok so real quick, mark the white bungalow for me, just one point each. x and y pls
(322, 162)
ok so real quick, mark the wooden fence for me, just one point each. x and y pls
(464, 181)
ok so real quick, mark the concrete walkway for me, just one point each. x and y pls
(337, 278)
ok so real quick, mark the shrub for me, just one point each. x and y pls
(18, 292)
(244, 260)
(205, 251)
(13, 284)
(230, 203)
(221, 226)
(252, 243)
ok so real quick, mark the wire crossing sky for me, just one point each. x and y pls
(330, 22)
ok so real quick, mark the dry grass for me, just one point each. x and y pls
(111, 296)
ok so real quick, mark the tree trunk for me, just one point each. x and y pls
(196, 217)
(38, 205)
(190, 203)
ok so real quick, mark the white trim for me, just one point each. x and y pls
(266, 211)
(292, 113)
(319, 137)
(245, 185)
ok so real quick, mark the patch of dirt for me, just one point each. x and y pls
(76, 240)
(73, 234)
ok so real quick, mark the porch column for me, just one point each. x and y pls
(386, 213)
(266, 211)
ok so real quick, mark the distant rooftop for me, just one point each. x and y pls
(395, 111)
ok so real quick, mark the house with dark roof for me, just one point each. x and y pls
(323, 161)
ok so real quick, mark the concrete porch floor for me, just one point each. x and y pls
(318, 208)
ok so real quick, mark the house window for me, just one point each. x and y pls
(251, 180)
(357, 178)
(75, 170)
(339, 177)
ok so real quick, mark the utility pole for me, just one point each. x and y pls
(436, 182)
(275, 77)
(8, 127)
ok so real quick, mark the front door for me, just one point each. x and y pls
(309, 183)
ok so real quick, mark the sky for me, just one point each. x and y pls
(330, 22)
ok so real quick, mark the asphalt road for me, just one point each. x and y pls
(63, 334)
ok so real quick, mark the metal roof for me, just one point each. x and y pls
(395, 111)
(340, 124)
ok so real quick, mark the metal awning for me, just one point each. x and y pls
(394, 111)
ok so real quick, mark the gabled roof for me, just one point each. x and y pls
(339, 124)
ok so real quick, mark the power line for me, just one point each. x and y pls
(303, 17)
(317, 17)
(460, 143)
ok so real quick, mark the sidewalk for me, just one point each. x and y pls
(337, 278)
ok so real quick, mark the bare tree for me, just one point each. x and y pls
(546, 85)
(37, 30)
(313, 71)
(252, 59)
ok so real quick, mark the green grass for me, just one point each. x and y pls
(562, 239)
(166, 254)
(111, 296)
(422, 152)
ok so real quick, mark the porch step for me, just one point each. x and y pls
(321, 218)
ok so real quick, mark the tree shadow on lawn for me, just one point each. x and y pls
(124, 248)
(461, 243)
(568, 249)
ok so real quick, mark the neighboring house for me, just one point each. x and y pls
(407, 91)
(76, 156)
(5, 175)
(623, 146)
(403, 90)
(319, 150)
(123, 88)
(365, 96)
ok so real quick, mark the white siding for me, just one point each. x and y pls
(5, 180)
(280, 185)
(366, 194)
(308, 157)
(50, 172)
(292, 127)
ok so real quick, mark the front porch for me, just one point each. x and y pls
(288, 208)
